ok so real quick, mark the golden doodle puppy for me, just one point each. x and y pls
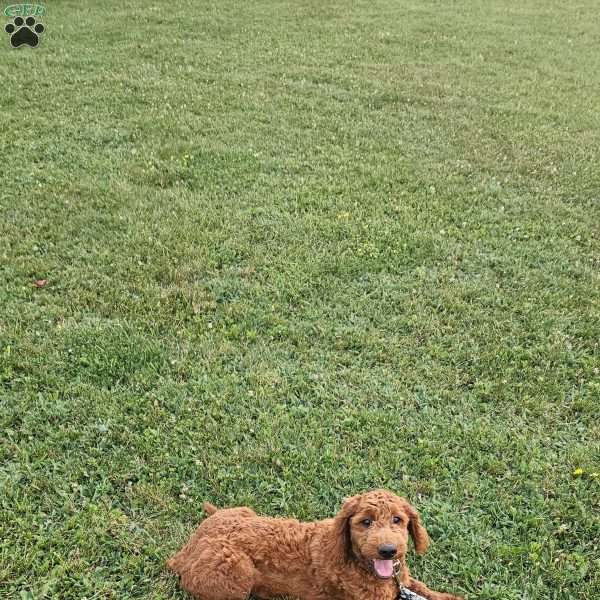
(357, 555)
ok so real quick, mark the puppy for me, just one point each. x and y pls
(358, 555)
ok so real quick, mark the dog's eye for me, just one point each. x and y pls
(366, 522)
(397, 520)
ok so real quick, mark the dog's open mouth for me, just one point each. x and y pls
(383, 568)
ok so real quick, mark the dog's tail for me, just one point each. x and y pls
(209, 508)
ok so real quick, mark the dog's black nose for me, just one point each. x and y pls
(387, 550)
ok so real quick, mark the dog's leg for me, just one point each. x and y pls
(217, 572)
(420, 588)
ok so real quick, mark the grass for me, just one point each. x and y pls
(295, 250)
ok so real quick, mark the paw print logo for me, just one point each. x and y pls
(24, 31)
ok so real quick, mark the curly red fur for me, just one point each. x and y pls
(235, 553)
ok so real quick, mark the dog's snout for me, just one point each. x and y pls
(387, 550)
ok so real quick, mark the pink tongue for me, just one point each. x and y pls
(384, 568)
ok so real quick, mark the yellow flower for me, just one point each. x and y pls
(578, 472)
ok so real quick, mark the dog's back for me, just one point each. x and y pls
(219, 521)
(264, 555)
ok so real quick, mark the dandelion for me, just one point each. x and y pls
(578, 472)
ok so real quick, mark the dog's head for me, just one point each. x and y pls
(373, 529)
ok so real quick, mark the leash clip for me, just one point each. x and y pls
(397, 570)
(403, 592)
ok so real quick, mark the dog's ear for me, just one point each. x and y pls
(416, 530)
(342, 541)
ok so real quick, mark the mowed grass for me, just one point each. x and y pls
(296, 250)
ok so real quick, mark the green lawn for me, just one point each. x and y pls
(296, 250)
